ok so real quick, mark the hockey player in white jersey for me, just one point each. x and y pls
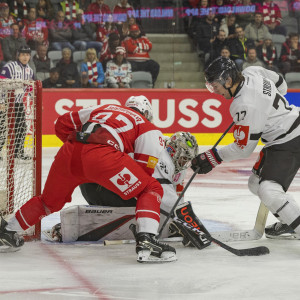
(260, 112)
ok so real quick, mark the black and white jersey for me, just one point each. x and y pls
(16, 70)
(260, 111)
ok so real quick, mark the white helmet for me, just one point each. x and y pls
(182, 147)
(142, 104)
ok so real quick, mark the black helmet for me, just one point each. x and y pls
(23, 49)
(219, 70)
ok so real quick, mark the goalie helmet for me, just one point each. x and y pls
(141, 104)
(219, 71)
(182, 147)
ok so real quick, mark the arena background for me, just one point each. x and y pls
(204, 114)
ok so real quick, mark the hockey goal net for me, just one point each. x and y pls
(20, 146)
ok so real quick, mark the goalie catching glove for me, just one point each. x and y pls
(188, 225)
(206, 161)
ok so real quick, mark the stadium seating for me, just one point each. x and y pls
(293, 80)
(42, 75)
(78, 58)
(141, 80)
(55, 56)
(278, 40)
(290, 24)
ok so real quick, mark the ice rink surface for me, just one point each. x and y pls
(41, 270)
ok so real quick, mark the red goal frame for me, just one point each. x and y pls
(37, 157)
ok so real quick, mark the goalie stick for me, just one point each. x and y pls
(120, 242)
(256, 251)
(224, 236)
(188, 184)
(246, 235)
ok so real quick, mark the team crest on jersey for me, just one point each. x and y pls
(152, 161)
(125, 181)
(241, 134)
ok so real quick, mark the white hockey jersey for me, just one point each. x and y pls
(260, 111)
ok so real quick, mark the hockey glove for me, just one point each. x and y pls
(191, 236)
(206, 161)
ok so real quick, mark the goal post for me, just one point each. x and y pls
(20, 146)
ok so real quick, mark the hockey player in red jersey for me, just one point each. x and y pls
(115, 146)
(170, 172)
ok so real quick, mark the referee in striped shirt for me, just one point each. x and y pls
(19, 69)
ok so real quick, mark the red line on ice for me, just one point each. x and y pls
(85, 283)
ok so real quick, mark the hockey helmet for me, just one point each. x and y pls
(182, 147)
(23, 49)
(142, 105)
(219, 71)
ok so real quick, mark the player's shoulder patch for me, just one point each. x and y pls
(152, 161)
(241, 134)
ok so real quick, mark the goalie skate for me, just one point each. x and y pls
(53, 234)
(10, 241)
(150, 250)
(281, 231)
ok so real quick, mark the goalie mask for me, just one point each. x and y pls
(219, 71)
(141, 104)
(182, 147)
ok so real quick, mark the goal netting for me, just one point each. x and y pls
(20, 146)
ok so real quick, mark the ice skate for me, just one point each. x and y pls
(54, 234)
(279, 230)
(10, 241)
(150, 250)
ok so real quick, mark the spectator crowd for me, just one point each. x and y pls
(115, 44)
(247, 38)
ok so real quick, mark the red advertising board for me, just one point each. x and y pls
(196, 111)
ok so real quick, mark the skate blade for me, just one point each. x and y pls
(145, 256)
(286, 236)
(5, 249)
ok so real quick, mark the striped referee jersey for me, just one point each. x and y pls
(16, 70)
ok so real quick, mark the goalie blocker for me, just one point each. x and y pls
(96, 223)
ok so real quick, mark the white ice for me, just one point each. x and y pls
(41, 270)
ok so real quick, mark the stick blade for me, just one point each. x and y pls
(256, 251)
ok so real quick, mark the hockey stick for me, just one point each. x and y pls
(188, 184)
(222, 236)
(246, 235)
(256, 251)
(120, 242)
